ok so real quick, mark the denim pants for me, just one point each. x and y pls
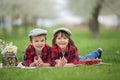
(93, 54)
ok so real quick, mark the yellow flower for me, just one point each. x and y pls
(10, 49)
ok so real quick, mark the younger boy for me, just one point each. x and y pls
(38, 53)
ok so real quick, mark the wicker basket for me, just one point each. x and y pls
(9, 61)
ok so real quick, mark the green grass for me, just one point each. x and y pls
(109, 41)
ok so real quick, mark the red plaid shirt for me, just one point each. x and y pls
(71, 54)
(30, 54)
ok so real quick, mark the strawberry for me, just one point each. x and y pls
(36, 57)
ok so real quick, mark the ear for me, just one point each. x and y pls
(31, 43)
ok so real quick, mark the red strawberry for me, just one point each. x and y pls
(36, 57)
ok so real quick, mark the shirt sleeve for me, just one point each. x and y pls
(28, 56)
(73, 55)
(27, 60)
(53, 56)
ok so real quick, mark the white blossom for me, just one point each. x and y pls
(8, 49)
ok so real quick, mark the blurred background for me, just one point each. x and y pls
(94, 24)
(91, 14)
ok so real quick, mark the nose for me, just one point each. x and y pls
(62, 39)
(40, 43)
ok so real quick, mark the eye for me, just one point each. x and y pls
(43, 40)
(65, 38)
(36, 40)
(59, 38)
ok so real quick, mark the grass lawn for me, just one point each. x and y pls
(109, 40)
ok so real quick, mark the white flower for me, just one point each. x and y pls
(7, 48)
(10, 48)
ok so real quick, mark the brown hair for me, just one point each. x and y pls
(36, 36)
(63, 33)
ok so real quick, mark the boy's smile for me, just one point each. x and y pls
(38, 42)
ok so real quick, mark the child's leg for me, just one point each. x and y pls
(94, 54)
(82, 57)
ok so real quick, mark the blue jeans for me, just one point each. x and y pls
(93, 54)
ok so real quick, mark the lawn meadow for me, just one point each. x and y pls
(109, 41)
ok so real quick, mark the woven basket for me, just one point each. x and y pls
(9, 61)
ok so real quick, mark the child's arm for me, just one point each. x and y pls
(35, 63)
(58, 63)
(69, 65)
(45, 65)
(39, 63)
(42, 64)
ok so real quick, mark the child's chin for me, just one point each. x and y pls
(39, 50)
(63, 47)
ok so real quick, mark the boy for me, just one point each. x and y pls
(38, 53)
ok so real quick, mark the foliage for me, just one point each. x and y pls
(27, 7)
(85, 7)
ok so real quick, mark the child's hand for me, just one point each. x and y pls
(38, 61)
(61, 62)
(58, 63)
(64, 60)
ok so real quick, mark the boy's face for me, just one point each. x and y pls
(38, 42)
(62, 41)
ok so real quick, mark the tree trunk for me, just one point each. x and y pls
(93, 23)
(15, 27)
(25, 24)
(118, 26)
